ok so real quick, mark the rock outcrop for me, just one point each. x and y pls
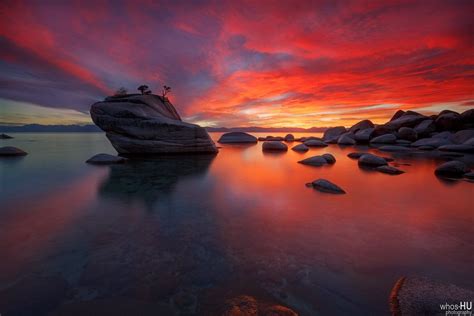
(147, 124)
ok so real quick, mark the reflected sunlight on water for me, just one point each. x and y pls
(242, 222)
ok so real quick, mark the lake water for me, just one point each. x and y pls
(185, 234)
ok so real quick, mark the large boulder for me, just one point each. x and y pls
(406, 120)
(274, 146)
(448, 121)
(426, 127)
(462, 136)
(382, 130)
(364, 124)
(384, 139)
(326, 186)
(452, 169)
(346, 140)
(372, 160)
(467, 117)
(147, 124)
(237, 138)
(332, 134)
(407, 133)
(363, 136)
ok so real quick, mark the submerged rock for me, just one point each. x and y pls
(106, 159)
(452, 169)
(12, 151)
(329, 158)
(147, 124)
(372, 160)
(389, 170)
(237, 138)
(314, 161)
(326, 186)
(274, 146)
(300, 148)
(315, 143)
(5, 136)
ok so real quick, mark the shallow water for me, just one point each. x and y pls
(184, 234)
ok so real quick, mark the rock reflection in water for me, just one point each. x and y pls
(150, 178)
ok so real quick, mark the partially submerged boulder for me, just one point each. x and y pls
(274, 146)
(300, 148)
(389, 170)
(326, 186)
(237, 138)
(315, 143)
(289, 138)
(372, 160)
(106, 159)
(329, 158)
(10, 151)
(147, 124)
(314, 161)
(452, 169)
(5, 136)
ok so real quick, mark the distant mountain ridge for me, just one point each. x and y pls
(90, 128)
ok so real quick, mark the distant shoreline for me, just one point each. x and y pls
(90, 128)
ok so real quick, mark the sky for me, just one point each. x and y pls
(238, 63)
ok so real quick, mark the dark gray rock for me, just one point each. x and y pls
(326, 186)
(355, 155)
(448, 121)
(469, 175)
(444, 135)
(300, 148)
(372, 160)
(363, 136)
(407, 133)
(397, 114)
(424, 128)
(237, 138)
(106, 159)
(469, 142)
(403, 142)
(332, 134)
(467, 117)
(274, 146)
(384, 139)
(432, 142)
(394, 148)
(5, 136)
(389, 170)
(329, 158)
(406, 120)
(458, 148)
(364, 124)
(346, 140)
(289, 138)
(314, 161)
(12, 151)
(452, 169)
(462, 136)
(315, 143)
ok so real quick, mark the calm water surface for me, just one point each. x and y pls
(184, 234)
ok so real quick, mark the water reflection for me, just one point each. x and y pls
(150, 179)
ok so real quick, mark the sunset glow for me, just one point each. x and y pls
(240, 63)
